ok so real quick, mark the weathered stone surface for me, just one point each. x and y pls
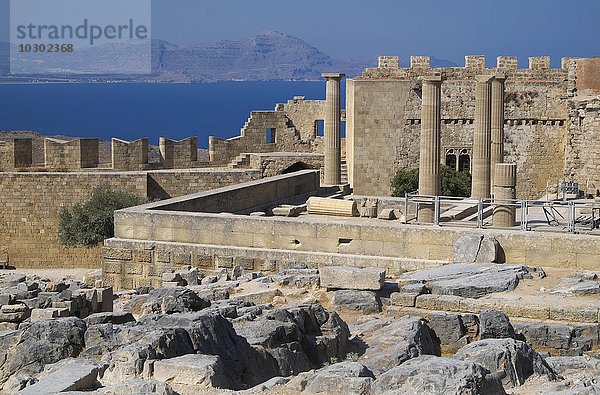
(298, 338)
(67, 375)
(471, 248)
(174, 335)
(565, 366)
(468, 280)
(301, 278)
(109, 318)
(403, 299)
(137, 386)
(510, 360)
(427, 374)
(42, 343)
(194, 372)
(494, 324)
(579, 283)
(340, 378)
(366, 302)
(564, 339)
(259, 297)
(346, 277)
(448, 327)
(173, 300)
(387, 214)
(383, 344)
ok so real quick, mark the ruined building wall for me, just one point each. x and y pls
(253, 138)
(535, 120)
(295, 126)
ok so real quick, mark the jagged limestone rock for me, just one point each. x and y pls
(511, 361)
(428, 374)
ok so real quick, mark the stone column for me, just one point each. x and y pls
(480, 186)
(497, 153)
(429, 156)
(505, 182)
(332, 138)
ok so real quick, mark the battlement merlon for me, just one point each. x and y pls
(539, 69)
(15, 154)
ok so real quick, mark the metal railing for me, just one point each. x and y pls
(549, 215)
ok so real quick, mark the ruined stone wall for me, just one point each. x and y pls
(31, 203)
(304, 114)
(253, 138)
(582, 162)
(16, 154)
(535, 120)
(71, 155)
(129, 156)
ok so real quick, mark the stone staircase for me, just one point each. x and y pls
(344, 172)
(242, 161)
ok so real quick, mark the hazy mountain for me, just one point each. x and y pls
(267, 56)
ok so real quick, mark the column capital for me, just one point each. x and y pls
(432, 79)
(333, 75)
(500, 76)
(484, 79)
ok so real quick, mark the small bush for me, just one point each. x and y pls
(453, 183)
(405, 181)
(90, 223)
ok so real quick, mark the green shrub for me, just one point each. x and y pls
(90, 223)
(453, 183)
(405, 181)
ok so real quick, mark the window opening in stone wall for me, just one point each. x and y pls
(270, 135)
(319, 128)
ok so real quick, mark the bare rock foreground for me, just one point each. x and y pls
(458, 329)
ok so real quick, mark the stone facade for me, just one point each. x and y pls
(383, 119)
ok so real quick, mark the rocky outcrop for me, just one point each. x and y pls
(494, 324)
(384, 344)
(366, 302)
(351, 378)
(468, 280)
(511, 361)
(427, 374)
(300, 338)
(173, 300)
(27, 351)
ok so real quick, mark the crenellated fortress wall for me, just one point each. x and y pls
(544, 135)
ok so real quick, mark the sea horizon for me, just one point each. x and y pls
(130, 111)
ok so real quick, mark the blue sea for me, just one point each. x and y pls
(132, 111)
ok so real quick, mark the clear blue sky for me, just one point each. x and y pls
(353, 29)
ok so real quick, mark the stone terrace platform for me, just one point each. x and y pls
(212, 230)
